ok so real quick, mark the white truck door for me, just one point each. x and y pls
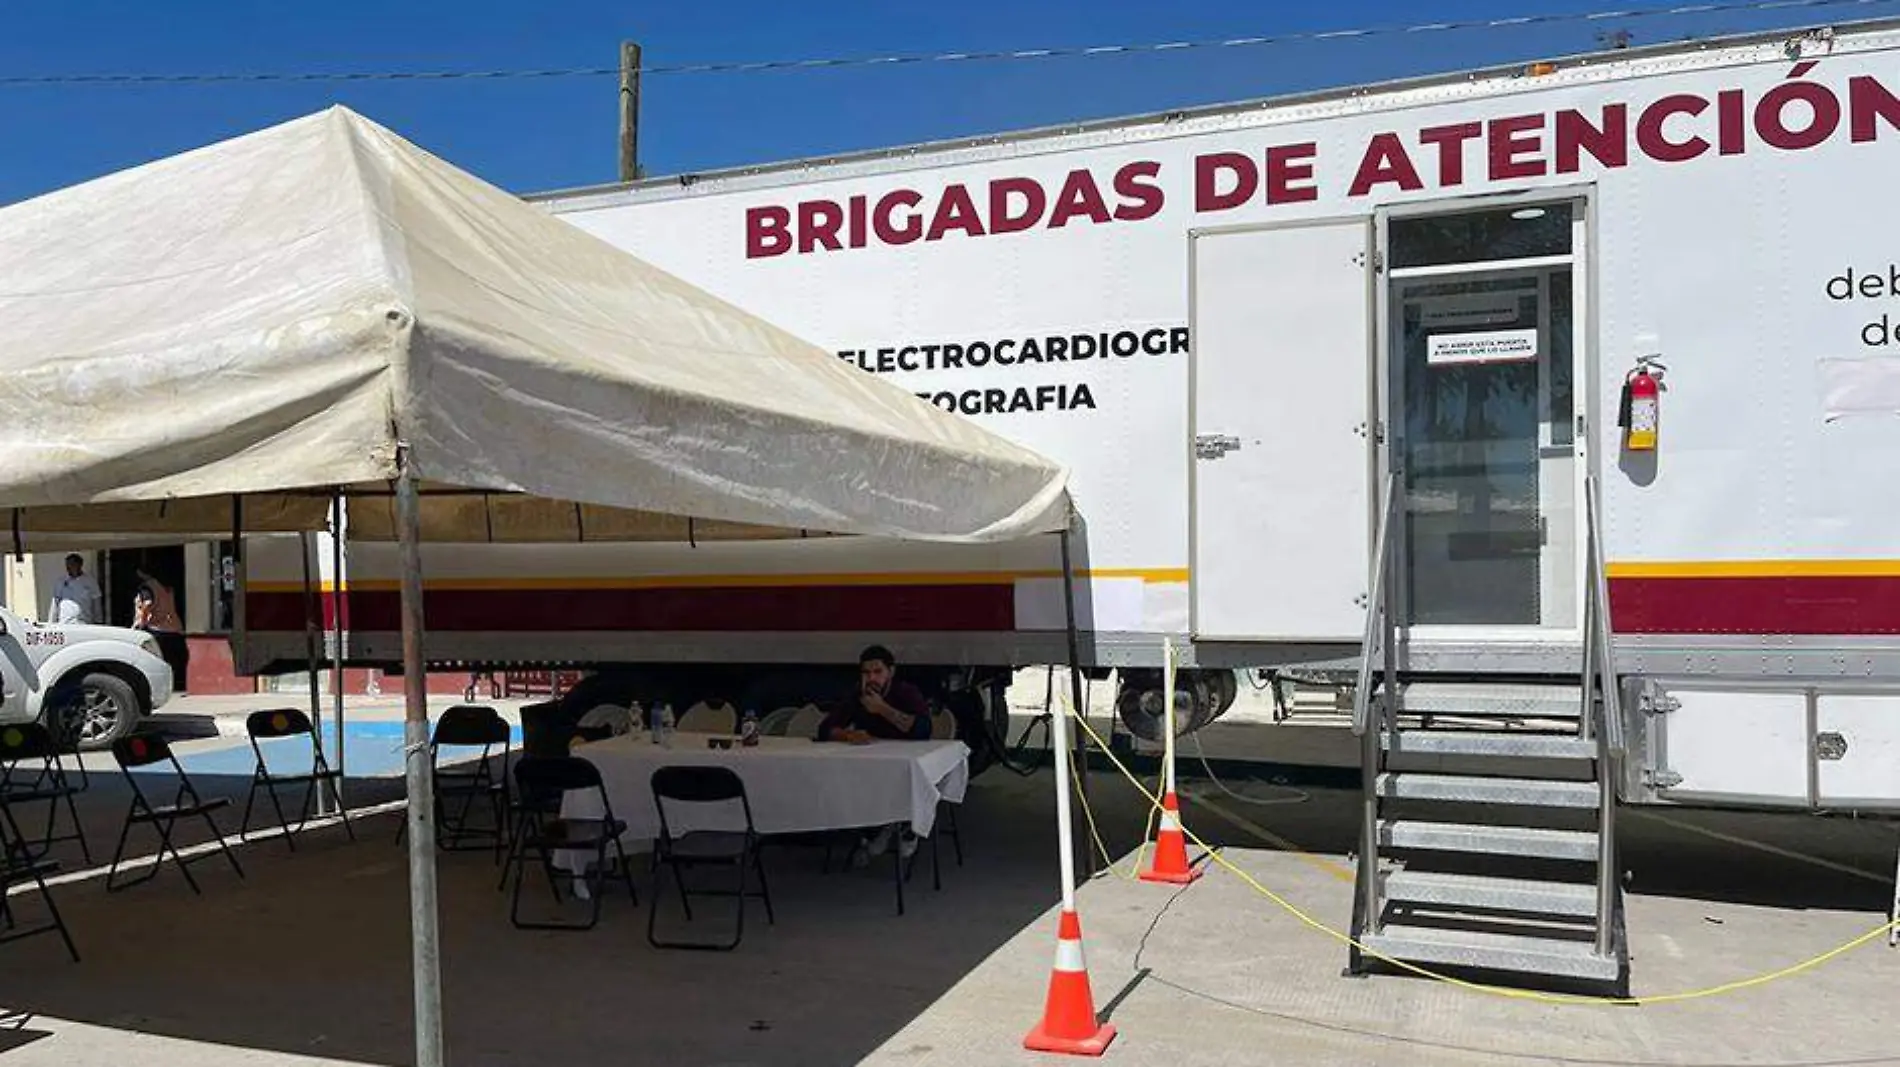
(1281, 386)
(15, 670)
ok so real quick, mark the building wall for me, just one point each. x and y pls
(198, 570)
(212, 672)
(31, 579)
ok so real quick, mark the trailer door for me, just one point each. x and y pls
(1281, 386)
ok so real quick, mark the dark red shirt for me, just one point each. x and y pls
(903, 696)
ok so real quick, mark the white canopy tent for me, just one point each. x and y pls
(235, 335)
(287, 309)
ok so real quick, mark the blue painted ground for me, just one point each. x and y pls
(371, 750)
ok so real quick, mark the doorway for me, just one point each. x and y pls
(1485, 340)
(122, 567)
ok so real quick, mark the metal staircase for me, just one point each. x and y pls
(1488, 841)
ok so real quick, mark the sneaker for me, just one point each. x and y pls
(860, 857)
(880, 842)
(907, 845)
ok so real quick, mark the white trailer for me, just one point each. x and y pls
(1240, 324)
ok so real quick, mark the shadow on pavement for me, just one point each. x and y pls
(309, 954)
(181, 726)
(16, 1032)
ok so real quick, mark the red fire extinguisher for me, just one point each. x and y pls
(1641, 410)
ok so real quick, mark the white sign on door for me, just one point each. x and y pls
(1489, 346)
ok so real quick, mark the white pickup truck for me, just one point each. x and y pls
(92, 683)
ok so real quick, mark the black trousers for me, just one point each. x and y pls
(172, 646)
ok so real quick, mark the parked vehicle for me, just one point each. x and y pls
(89, 683)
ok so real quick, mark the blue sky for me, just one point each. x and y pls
(543, 134)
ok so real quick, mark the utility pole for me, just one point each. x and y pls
(629, 110)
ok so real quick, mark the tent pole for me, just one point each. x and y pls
(240, 601)
(306, 547)
(1059, 741)
(424, 935)
(1081, 709)
(336, 634)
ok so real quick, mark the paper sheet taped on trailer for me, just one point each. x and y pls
(1866, 386)
(1102, 604)
(1487, 346)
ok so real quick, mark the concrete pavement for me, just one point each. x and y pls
(306, 961)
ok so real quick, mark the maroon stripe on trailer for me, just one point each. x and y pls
(958, 607)
(1805, 605)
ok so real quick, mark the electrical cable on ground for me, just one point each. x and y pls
(1298, 796)
(1504, 992)
(1627, 14)
(1101, 846)
(1007, 753)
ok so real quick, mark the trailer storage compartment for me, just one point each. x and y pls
(1796, 747)
(1857, 750)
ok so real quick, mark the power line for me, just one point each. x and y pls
(906, 59)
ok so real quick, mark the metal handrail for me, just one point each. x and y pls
(1378, 629)
(1604, 655)
(1599, 667)
(1376, 610)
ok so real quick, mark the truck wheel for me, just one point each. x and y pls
(97, 712)
(1140, 705)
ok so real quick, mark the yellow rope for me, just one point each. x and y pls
(1134, 872)
(1476, 987)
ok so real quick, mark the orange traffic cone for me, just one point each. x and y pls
(1171, 859)
(1068, 1018)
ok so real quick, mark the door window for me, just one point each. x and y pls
(1482, 331)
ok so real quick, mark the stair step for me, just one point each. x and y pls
(1496, 894)
(1497, 840)
(1518, 700)
(1526, 792)
(1481, 743)
(1498, 952)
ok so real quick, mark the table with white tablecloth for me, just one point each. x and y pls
(794, 785)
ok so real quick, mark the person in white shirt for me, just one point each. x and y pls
(76, 598)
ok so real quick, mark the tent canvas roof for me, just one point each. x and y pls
(282, 311)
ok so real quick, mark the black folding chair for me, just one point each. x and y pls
(32, 771)
(543, 835)
(705, 848)
(944, 727)
(65, 717)
(278, 724)
(17, 867)
(146, 750)
(947, 826)
(527, 808)
(459, 785)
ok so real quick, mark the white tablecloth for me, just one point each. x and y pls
(794, 785)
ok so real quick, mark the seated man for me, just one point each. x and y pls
(886, 709)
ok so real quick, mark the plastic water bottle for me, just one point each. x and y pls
(655, 728)
(666, 724)
(749, 728)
